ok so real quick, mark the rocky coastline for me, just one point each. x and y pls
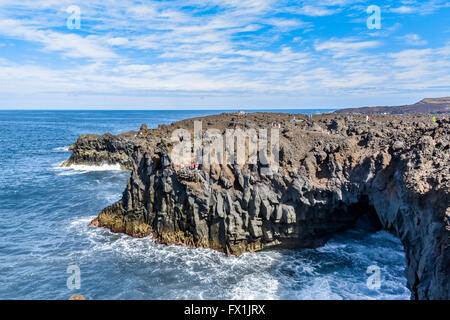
(335, 171)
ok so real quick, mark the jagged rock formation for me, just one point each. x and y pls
(428, 105)
(335, 171)
(96, 150)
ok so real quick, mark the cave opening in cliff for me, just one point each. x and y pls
(368, 218)
(359, 215)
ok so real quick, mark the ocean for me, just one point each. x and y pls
(45, 211)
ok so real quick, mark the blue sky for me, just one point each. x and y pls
(220, 54)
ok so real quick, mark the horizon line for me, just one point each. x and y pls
(181, 109)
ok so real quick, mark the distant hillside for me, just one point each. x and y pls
(429, 105)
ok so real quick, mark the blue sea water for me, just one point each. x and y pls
(45, 211)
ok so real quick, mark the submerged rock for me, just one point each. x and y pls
(390, 172)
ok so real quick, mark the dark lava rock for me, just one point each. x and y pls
(394, 168)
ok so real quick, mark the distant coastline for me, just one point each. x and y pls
(428, 105)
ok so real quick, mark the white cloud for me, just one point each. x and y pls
(286, 24)
(72, 45)
(403, 9)
(142, 12)
(414, 40)
(316, 11)
(419, 7)
(117, 41)
(238, 48)
(345, 47)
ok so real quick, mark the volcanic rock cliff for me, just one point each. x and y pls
(335, 171)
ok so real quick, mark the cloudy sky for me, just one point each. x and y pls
(218, 54)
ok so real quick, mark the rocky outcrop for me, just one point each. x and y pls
(335, 171)
(106, 149)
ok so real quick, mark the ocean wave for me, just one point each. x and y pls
(256, 287)
(81, 168)
(272, 274)
(110, 198)
(62, 149)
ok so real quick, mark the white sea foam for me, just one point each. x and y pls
(256, 287)
(81, 168)
(62, 149)
(80, 223)
(176, 272)
(318, 289)
(110, 198)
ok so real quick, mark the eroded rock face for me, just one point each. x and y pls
(106, 149)
(395, 168)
